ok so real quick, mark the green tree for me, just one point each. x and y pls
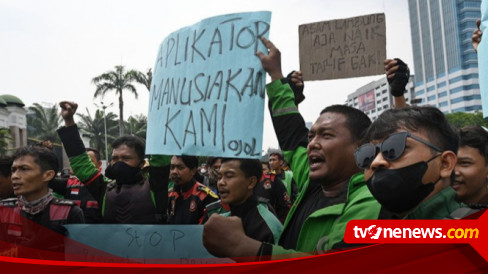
(461, 119)
(94, 129)
(118, 80)
(138, 125)
(43, 122)
(145, 79)
(5, 138)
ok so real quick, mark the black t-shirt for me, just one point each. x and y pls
(313, 201)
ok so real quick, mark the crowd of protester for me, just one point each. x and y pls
(410, 163)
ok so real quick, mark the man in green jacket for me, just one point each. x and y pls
(331, 187)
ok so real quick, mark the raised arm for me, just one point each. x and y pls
(80, 162)
(288, 123)
(398, 75)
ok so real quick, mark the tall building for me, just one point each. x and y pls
(445, 64)
(374, 98)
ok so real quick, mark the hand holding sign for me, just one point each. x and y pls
(476, 37)
(207, 96)
(271, 62)
(482, 48)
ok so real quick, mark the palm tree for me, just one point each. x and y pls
(117, 80)
(145, 79)
(138, 125)
(94, 129)
(43, 122)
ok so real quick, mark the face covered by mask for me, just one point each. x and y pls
(122, 173)
(399, 190)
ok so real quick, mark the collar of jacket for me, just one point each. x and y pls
(186, 187)
(243, 209)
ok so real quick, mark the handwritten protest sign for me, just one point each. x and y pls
(483, 59)
(343, 48)
(208, 88)
(141, 243)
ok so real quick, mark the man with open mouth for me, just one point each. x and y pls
(238, 178)
(331, 188)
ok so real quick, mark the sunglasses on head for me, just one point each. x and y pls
(391, 148)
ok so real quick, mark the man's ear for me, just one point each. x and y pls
(252, 182)
(48, 175)
(448, 163)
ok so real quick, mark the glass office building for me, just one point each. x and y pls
(445, 64)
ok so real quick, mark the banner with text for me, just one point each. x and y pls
(140, 243)
(343, 48)
(208, 89)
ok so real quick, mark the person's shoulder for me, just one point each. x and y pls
(111, 185)
(268, 175)
(202, 189)
(9, 202)
(357, 186)
(267, 179)
(217, 207)
(358, 193)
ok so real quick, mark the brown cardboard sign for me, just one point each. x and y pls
(343, 48)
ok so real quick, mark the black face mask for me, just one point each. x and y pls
(399, 190)
(122, 173)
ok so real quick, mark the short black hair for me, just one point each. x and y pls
(212, 160)
(475, 137)
(250, 167)
(357, 121)
(6, 165)
(133, 142)
(415, 118)
(96, 152)
(277, 153)
(190, 161)
(43, 157)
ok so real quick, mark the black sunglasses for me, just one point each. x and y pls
(392, 148)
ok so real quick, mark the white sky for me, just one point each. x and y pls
(51, 49)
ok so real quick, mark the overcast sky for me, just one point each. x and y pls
(51, 49)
